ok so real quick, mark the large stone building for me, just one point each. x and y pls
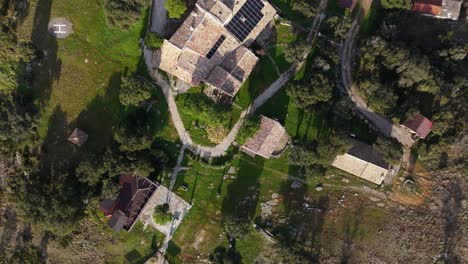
(211, 45)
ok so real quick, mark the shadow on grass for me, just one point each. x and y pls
(48, 67)
(305, 219)
(100, 117)
(351, 227)
(242, 194)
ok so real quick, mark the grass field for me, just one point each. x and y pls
(214, 197)
(265, 73)
(81, 75)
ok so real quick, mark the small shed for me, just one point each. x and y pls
(78, 137)
(418, 125)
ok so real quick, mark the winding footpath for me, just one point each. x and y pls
(346, 84)
(219, 150)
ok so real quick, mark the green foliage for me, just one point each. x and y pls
(200, 107)
(124, 13)
(175, 8)
(304, 7)
(17, 125)
(134, 90)
(314, 156)
(250, 126)
(297, 51)
(390, 149)
(133, 139)
(304, 95)
(338, 26)
(28, 254)
(89, 172)
(237, 227)
(153, 41)
(161, 214)
(221, 255)
(396, 4)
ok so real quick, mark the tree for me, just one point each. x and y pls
(175, 8)
(396, 4)
(296, 52)
(304, 95)
(236, 227)
(135, 139)
(89, 172)
(302, 155)
(304, 8)
(161, 214)
(153, 41)
(124, 13)
(390, 149)
(339, 26)
(28, 254)
(134, 90)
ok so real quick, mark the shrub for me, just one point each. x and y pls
(124, 13)
(161, 214)
(133, 91)
(175, 8)
(249, 128)
(153, 41)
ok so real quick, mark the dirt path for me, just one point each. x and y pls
(158, 17)
(346, 85)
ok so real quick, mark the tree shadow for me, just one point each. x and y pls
(101, 116)
(351, 227)
(48, 67)
(304, 221)
(53, 196)
(9, 225)
(242, 194)
(452, 211)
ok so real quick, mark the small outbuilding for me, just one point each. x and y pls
(78, 137)
(135, 192)
(364, 162)
(419, 125)
(267, 139)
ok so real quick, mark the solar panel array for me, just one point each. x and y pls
(246, 19)
(215, 46)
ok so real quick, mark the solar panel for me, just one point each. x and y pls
(215, 46)
(246, 19)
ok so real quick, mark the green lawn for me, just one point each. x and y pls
(197, 121)
(81, 76)
(287, 12)
(135, 246)
(265, 73)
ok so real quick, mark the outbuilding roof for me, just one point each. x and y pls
(265, 141)
(363, 161)
(420, 125)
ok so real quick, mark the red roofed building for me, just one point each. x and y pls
(123, 212)
(419, 125)
(449, 9)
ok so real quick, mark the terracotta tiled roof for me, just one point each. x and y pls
(265, 141)
(185, 54)
(78, 137)
(427, 9)
(419, 125)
